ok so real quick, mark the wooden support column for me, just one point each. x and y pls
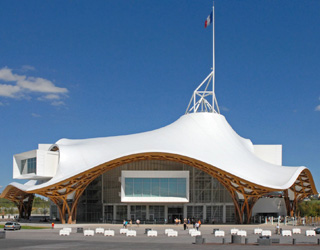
(24, 205)
(68, 208)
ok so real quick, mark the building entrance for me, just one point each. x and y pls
(175, 213)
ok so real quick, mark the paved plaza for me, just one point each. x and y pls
(50, 239)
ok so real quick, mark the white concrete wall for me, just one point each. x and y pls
(17, 162)
(47, 163)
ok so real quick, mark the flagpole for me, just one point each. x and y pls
(213, 60)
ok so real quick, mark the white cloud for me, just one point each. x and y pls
(37, 84)
(22, 85)
(35, 115)
(317, 108)
(57, 103)
(9, 90)
(223, 108)
(28, 68)
(49, 97)
(7, 75)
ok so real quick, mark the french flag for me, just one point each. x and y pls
(208, 20)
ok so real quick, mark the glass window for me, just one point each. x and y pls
(155, 187)
(137, 188)
(146, 187)
(172, 187)
(29, 166)
(163, 187)
(181, 187)
(129, 187)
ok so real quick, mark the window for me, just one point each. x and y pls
(29, 166)
(155, 187)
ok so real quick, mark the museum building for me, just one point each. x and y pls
(198, 167)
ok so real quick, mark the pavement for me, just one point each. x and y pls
(50, 239)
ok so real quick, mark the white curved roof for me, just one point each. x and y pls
(206, 137)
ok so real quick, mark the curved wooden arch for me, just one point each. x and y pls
(21, 199)
(250, 192)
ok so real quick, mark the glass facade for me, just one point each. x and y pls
(208, 199)
(29, 166)
(214, 214)
(138, 212)
(155, 187)
(156, 213)
(90, 203)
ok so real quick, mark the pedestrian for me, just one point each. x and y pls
(199, 222)
(138, 222)
(52, 225)
(277, 229)
(130, 223)
(184, 225)
(124, 223)
(197, 226)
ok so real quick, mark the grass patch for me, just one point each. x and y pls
(29, 227)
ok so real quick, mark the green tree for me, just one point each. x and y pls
(309, 208)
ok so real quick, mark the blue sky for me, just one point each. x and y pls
(83, 69)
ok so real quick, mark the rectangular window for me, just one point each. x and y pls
(29, 166)
(163, 187)
(129, 187)
(146, 191)
(155, 189)
(155, 186)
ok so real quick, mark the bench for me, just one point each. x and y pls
(266, 233)
(310, 233)
(131, 233)
(64, 232)
(234, 231)
(242, 233)
(99, 230)
(172, 233)
(296, 231)
(257, 231)
(168, 230)
(152, 233)
(67, 229)
(123, 231)
(219, 233)
(109, 232)
(286, 233)
(195, 233)
(88, 232)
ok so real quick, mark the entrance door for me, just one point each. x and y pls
(175, 213)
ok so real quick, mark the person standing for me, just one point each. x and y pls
(197, 226)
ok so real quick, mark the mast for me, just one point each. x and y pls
(200, 101)
(213, 59)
